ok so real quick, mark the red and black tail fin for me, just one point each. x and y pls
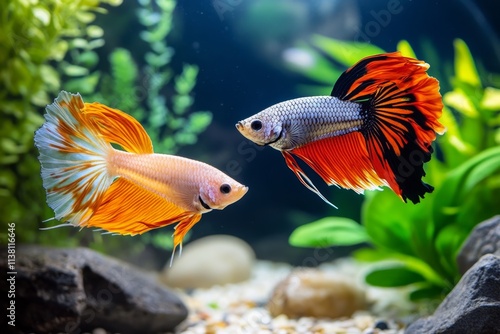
(401, 108)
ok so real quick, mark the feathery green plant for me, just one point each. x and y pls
(34, 36)
(417, 245)
(160, 99)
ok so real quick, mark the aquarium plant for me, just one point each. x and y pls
(160, 98)
(416, 245)
(35, 37)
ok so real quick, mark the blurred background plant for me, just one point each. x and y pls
(155, 94)
(417, 245)
(54, 46)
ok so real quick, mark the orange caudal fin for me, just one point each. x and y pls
(74, 145)
(73, 158)
(401, 106)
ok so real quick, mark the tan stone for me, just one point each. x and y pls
(313, 293)
(209, 261)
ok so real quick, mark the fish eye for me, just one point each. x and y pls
(256, 125)
(225, 188)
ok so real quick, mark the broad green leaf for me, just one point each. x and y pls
(406, 49)
(346, 53)
(448, 243)
(42, 14)
(455, 149)
(94, 31)
(427, 291)
(465, 69)
(75, 71)
(461, 102)
(491, 99)
(330, 231)
(311, 64)
(372, 255)
(396, 275)
(460, 181)
(388, 221)
(480, 204)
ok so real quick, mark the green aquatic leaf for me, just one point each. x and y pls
(427, 291)
(460, 182)
(346, 53)
(491, 99)
(405, 48)
(461, 102)
(455, 149)
(448, 242)
(388, 221)
(94, 31)
(465, 68)
(395, 275)
(42, 14)
(330, 231)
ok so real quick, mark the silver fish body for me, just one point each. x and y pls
(293, 123)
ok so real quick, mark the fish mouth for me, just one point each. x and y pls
(239, 126)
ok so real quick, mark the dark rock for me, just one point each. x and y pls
(381, 324)
(473, 306)
(484, 239)
(77, 290)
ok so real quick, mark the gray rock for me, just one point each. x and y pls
(76, 290)
(209, 261)
(484, 239)
(473, 306)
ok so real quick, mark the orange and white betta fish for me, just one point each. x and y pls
(375, 129)
(131, 191)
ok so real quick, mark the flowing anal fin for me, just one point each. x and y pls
(301, 175)
(341, 160)
(130, 210)
(181, 229)
(401, 108)
(119, 128)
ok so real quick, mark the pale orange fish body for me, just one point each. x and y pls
(192, 185)
(131, 191)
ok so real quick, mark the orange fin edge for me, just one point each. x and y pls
(119, 128)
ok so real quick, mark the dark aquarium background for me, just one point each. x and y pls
(244, 51)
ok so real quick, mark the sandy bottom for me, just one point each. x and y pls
(241, 308)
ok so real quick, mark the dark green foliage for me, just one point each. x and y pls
(421, 241)
(34, 35)
(329, 231)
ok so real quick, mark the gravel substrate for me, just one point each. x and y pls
(241, 308)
